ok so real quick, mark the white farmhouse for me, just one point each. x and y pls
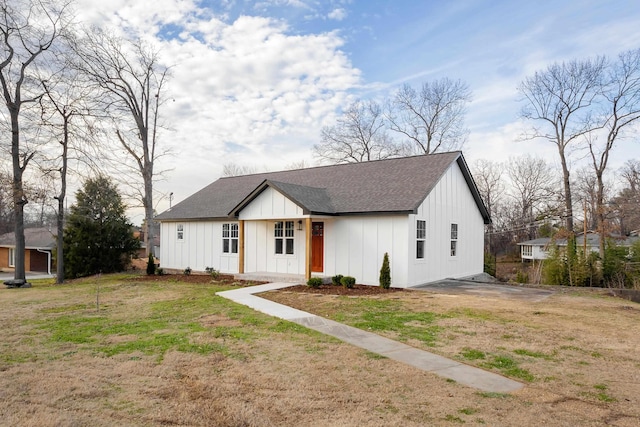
(424, 211)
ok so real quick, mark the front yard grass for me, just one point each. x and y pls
(173, 353)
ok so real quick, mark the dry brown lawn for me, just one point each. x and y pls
(173, 353)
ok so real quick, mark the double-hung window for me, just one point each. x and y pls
(454, 239)
(180, 232)
(421, 234)
(284, 238)
(230, 238)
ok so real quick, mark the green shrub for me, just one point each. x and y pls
(385, 272)
(490, 263)
(215, 274)
(337, 279)
(187, 271)
(314, 282)
(151, 265)
(348, 281)
(522, 277)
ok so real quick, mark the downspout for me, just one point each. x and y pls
(48, 260)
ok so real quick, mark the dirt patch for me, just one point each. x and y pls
(218, 320)
(221, 279)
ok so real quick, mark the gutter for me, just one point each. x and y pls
(48, 259)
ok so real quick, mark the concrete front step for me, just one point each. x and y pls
(276, 277)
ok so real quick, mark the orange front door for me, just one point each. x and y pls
(317, 246)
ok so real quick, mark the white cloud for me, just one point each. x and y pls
(245, 92)
(337, 14)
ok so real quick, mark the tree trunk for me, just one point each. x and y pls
(19, 200)
(61, 197)
(600, 214)
(148, 210)
(566, 179)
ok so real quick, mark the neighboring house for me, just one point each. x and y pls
(425, 211)
(39, 245)
(535, 249)
(538, 249)
(139, 233)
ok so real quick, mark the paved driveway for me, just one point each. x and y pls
(462, 287)
(6, 276)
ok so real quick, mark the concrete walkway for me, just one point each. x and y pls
(447, 368)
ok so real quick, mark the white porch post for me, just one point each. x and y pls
(307, 264)
(241, 247)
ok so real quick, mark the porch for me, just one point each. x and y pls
(265, 276)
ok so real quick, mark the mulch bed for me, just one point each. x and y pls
(341, 290)
(228, 280)
(188, 278)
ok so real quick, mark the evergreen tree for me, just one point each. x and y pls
(151, 265)
(385, 273)
(98, 237)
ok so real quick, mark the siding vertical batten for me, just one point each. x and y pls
(307, 249)
(241, 246)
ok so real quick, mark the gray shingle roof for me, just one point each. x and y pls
(383, 186)
(35, 238)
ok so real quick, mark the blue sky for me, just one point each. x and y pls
(255, 81)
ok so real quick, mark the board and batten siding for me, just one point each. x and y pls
(271, 204)
(450, 202)
(260, 216)
(260, 247)
(200, 248)
(355, 246)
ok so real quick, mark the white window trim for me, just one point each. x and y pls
(287, 230)
(180, 232)
(232, 235)
(422, 238)
(12, 257)
(454, 240)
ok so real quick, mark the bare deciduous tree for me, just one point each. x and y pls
(488, 178)
(631, 173)
(585, 189)
(532, 191)
(433, 118)
(625, 204)
(621, 94)
(66, 112)
(28, 29)
(233, 169)
(360, 135)
(559, 98)
(133, 82)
